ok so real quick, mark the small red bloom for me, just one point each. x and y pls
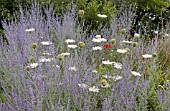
(107, 46)
(146, 69)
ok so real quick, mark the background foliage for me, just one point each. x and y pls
(153, 13)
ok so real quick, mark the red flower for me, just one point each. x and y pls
(107, 46)
(146, 69)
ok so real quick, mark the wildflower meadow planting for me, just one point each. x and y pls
(56, 63)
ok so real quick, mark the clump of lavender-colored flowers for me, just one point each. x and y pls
(51, 63)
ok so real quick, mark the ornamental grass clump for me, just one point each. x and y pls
(58, 66)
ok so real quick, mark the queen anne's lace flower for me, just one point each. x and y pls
(65, 54)
(147, 56)
(94, 71)
(135, 73)
(73, 69)
(105, 86)
(102, 16)
(69, 41)
(33, 65)
(97, 48)
(30, 30)
(126, 42)
(107, 62)
(117, 65)
(136, 35)
(98, 36)
(99, 40)
(121, 51)
(115, 78)
(46, 59)
(94, 89)
(83, 85)
(46, 43)
(107, 76)
(72, 46)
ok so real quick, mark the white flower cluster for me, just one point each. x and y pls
(98, 40)
(102, 16)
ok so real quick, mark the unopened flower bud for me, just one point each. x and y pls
(154, 55)
(34, 45)
(81, 12)
(123, 31)
(127, 49)
(104, 82)
(81, 44)
(27, 68)
(134, 44)
(113, 41)
(32, 59)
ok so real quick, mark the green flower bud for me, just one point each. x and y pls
(123, 31)
(127, 49)
(32, 59)
(113, 41)
(103, 82)
(60, 57)
(134, 44)
(154, 55)
(81, 12)
(81, 44)
(34, 45)
(27, 68)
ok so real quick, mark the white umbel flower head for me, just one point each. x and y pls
(94, 71)
(98, 36)
(107, 76)
(46, 54)
(116, 78)
(65, 54)
(46, 60)
(30, 30)
(33, 65)
(107, 62)
(83, 85)
(126, 42)
(46, 43)
(102, 16)
(156, 32)
(94, 89)
(72, 46)
(117, 65)
(147, 56)
(70, 41)
(122, 51)
(98, 40)
(136, 35)
(106, 85)
(135, 73)
(73, 69)
(97, 48)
